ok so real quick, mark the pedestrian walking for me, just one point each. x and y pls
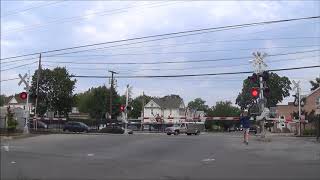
(245, 122)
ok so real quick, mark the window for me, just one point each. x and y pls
(318, 101)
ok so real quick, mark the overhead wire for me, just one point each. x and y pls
(177, 62)
(168, 34)
(28, 9)
(184, 68)
(83, 17)
(195, 75)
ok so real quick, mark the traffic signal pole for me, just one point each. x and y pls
(126, 110)
(262, 106)
(111, 90)
(259, 67)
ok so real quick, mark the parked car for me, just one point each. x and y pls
(194, 128)
(74, 126)
(231, 129)
(176, 129)
(115, 130)
(253, 129)
(40, 125)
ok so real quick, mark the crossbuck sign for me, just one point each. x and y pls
(23, 80)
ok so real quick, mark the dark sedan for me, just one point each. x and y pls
(73, 126)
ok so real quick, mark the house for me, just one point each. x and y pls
(16, 102)
(165, 110)
(285, 112)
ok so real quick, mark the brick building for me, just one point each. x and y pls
(285, 112)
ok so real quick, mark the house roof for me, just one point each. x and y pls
(14, 100)
(169, 102)
(318, 89)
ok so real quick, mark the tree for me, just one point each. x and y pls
(137, 104)
(11, 122)
(279, 89)
(55, 91)
(315, 84)
(95, 101)
(223, 109)
(2, 99)
(198, 104)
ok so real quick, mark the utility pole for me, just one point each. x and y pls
(126, 110)
(143, 104)
(111, 90)
(37, 92)
(259, 67)
(26, 128)
(298, 88)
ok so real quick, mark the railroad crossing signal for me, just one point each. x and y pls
(255, 92)
(23, 95)
(23, 79)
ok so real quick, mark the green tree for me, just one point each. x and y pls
(279, 89)
(137, 104)
(315, 84)
(55, 91)
(96, 100)
(2, 99)
(223, 109)
(198, 104)
(11, 122)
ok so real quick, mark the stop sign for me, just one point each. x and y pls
(23, 95)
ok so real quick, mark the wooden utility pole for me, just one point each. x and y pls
(142, 118)
(111, 90)
(37, 91)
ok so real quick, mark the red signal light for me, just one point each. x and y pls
(122, 107)
(23, 95)
(255, 92)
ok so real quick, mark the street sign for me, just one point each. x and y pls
(23, 80)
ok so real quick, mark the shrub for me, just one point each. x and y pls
(309, 132)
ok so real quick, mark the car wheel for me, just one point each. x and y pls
(176, 133)
(188, 134)
(169, 134)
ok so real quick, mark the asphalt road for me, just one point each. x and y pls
(158, 156)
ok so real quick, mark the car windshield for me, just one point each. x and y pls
(160, 89)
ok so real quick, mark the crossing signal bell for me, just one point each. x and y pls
(255, 92)
(23, 95)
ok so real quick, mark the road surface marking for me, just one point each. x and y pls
(208, 160)
(13, 162)
(90, 154)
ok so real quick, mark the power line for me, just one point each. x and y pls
(18, 66)
(206, 42)
(185, 68)
(168, 34)
(176, 62)
(188, 52)
(196, 75)
(60, 55)
(80, 18)
(9, 79)
(30, 8)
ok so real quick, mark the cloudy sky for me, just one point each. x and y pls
(35, 26)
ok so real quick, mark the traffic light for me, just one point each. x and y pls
(23, 95)
(266, 92)
(265, 75)
(122, 108)
(255, 92)
(254, 78)
(129, 108)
